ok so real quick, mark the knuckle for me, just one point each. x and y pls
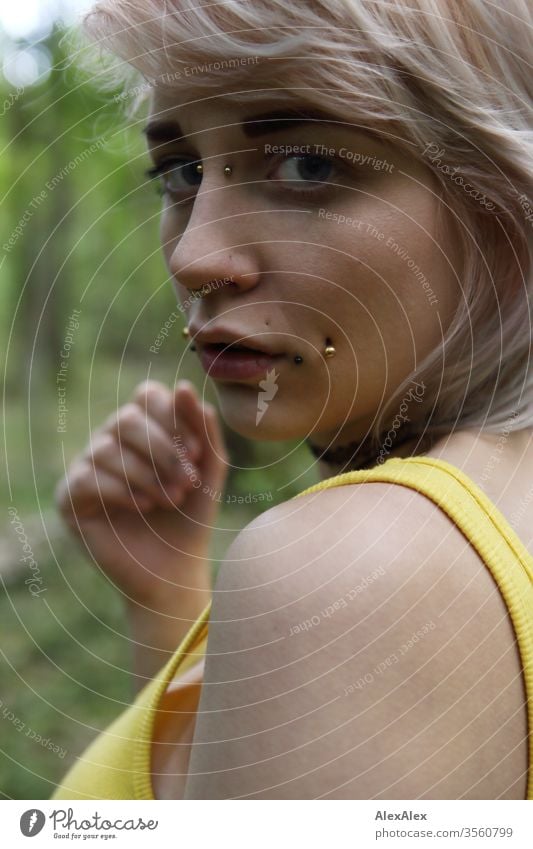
(149, 389)
(79, 478)
(129, 416)
(103, 445)
(109, 423)
(75, 484)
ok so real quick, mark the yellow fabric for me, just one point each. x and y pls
(117, 764)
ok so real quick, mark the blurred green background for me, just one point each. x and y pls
(79, 231)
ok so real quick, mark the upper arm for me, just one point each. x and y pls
(352, 657)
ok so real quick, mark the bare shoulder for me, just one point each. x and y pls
(360, 649)
(340, 534)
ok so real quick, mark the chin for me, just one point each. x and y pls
(243, 414)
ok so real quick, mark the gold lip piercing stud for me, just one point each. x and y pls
(329, 351)
(185, 332)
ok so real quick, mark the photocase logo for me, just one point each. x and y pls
(32, 822)
(269, 387)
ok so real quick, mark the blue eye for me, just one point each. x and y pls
(182, 176)
(177, 175)
(306, 174)
(306, 168)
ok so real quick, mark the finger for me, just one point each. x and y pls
(158, 401)
(204, 420)
(155, 398)
(187, 411)
(216, 460)
(128, 466)
(88, 490)
(143, 434)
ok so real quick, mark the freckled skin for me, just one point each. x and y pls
(300, 278)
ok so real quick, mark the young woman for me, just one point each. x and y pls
(347, 220)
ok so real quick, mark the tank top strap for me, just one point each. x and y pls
(455, 493)
(186, 655)
(486, 529)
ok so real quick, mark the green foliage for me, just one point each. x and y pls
(83, 225)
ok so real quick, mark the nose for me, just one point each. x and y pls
(213, 251)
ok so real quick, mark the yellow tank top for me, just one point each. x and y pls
(117, 764)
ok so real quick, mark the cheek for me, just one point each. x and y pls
(167, 236)
(389, 286)
(169, 242)
(403, 273)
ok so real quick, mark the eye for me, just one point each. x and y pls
(178, 175)
(306, 169)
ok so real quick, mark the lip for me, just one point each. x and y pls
(240, 365)
(220, 362)
(219, 336)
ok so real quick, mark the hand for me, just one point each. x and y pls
(142, 496)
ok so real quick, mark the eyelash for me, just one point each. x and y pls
(165, 166)
(319, 187)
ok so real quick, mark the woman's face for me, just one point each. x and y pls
(321, 235)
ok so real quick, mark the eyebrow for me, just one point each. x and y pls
(253, 126)
(283, 119)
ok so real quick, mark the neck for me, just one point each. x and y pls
(366, 459)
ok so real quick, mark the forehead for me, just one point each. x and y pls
(204, 106)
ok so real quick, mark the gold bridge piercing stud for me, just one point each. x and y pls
(228, 170)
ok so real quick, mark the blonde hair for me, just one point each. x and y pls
(431, 75)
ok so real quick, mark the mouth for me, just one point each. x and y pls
(232, 361)
(233, 347)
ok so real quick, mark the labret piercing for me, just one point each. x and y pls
(186, 334)
(329, 350)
